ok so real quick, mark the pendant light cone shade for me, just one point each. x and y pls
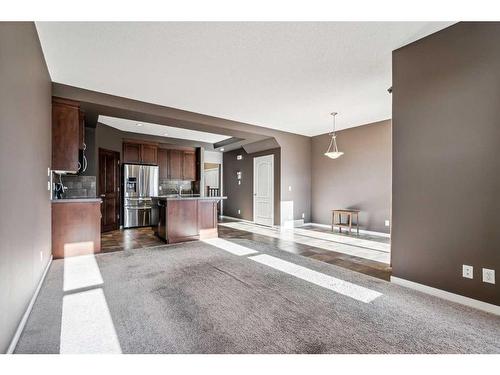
(333, 151)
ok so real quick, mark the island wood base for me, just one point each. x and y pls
(182, 220)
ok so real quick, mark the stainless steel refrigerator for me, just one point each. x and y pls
(140, 183)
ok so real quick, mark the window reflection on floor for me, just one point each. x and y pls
(345, 288)
(81, 272)
(86, 322)
(334, 284)
(230, 246)
(86, 325)
(349, 245)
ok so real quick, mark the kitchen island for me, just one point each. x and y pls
(186, 218)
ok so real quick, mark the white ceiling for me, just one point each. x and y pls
(160, 130)
(286, 76)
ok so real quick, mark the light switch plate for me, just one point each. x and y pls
(488, 276)
(387, 223)
(239, 212)
(289, 188)
(467, 271)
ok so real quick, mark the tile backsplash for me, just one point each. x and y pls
(79, 186)
(175, 186)
(85, 186)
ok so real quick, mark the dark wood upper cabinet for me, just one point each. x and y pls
(137, 152)
(163, 163)
(189, 166)
(149, 153)
(65, 134)
(81, 131)
(175, 164)
(131, 152)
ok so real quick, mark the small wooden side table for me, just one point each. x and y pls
(349, 224)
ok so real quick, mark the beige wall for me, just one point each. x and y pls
(25, 155)
(361, 178)
(446, 168)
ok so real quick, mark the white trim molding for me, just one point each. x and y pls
(22, 323)
(247, 221)
(292, 224)
(480, 305)
(364, 231)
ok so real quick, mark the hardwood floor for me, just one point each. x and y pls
(128, 239)
(361, 265)
(137, 238)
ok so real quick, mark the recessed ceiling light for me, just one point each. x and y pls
(222, 149)
(139, 124)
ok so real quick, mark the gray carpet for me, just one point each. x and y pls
(196, 298)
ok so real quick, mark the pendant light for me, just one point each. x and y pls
(333, 151)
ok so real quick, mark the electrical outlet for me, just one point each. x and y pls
(488, 276)
(159, 188)
(303, 215)
(239, 212)
(387, 223)
(48, 185)
(289, 188)
(467, 271)
(48, 172)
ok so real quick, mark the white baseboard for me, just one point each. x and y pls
(288, 224)
(22, 323)
(364, 231)
(480, 305)
(245, 221)
(293, 223)
(236, 218)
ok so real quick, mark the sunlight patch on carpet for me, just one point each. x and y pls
(346, 288)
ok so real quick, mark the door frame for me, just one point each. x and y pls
(271, 156)
(118, 211)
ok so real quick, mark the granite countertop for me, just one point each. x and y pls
(184, 198)
(77, 200)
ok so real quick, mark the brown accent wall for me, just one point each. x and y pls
(240, 197)
(360, 179)
(446, 168)
(25, 155)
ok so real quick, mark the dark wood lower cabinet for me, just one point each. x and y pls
(76, 228)
(182, 221)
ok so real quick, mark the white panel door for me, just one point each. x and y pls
(263, 190)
